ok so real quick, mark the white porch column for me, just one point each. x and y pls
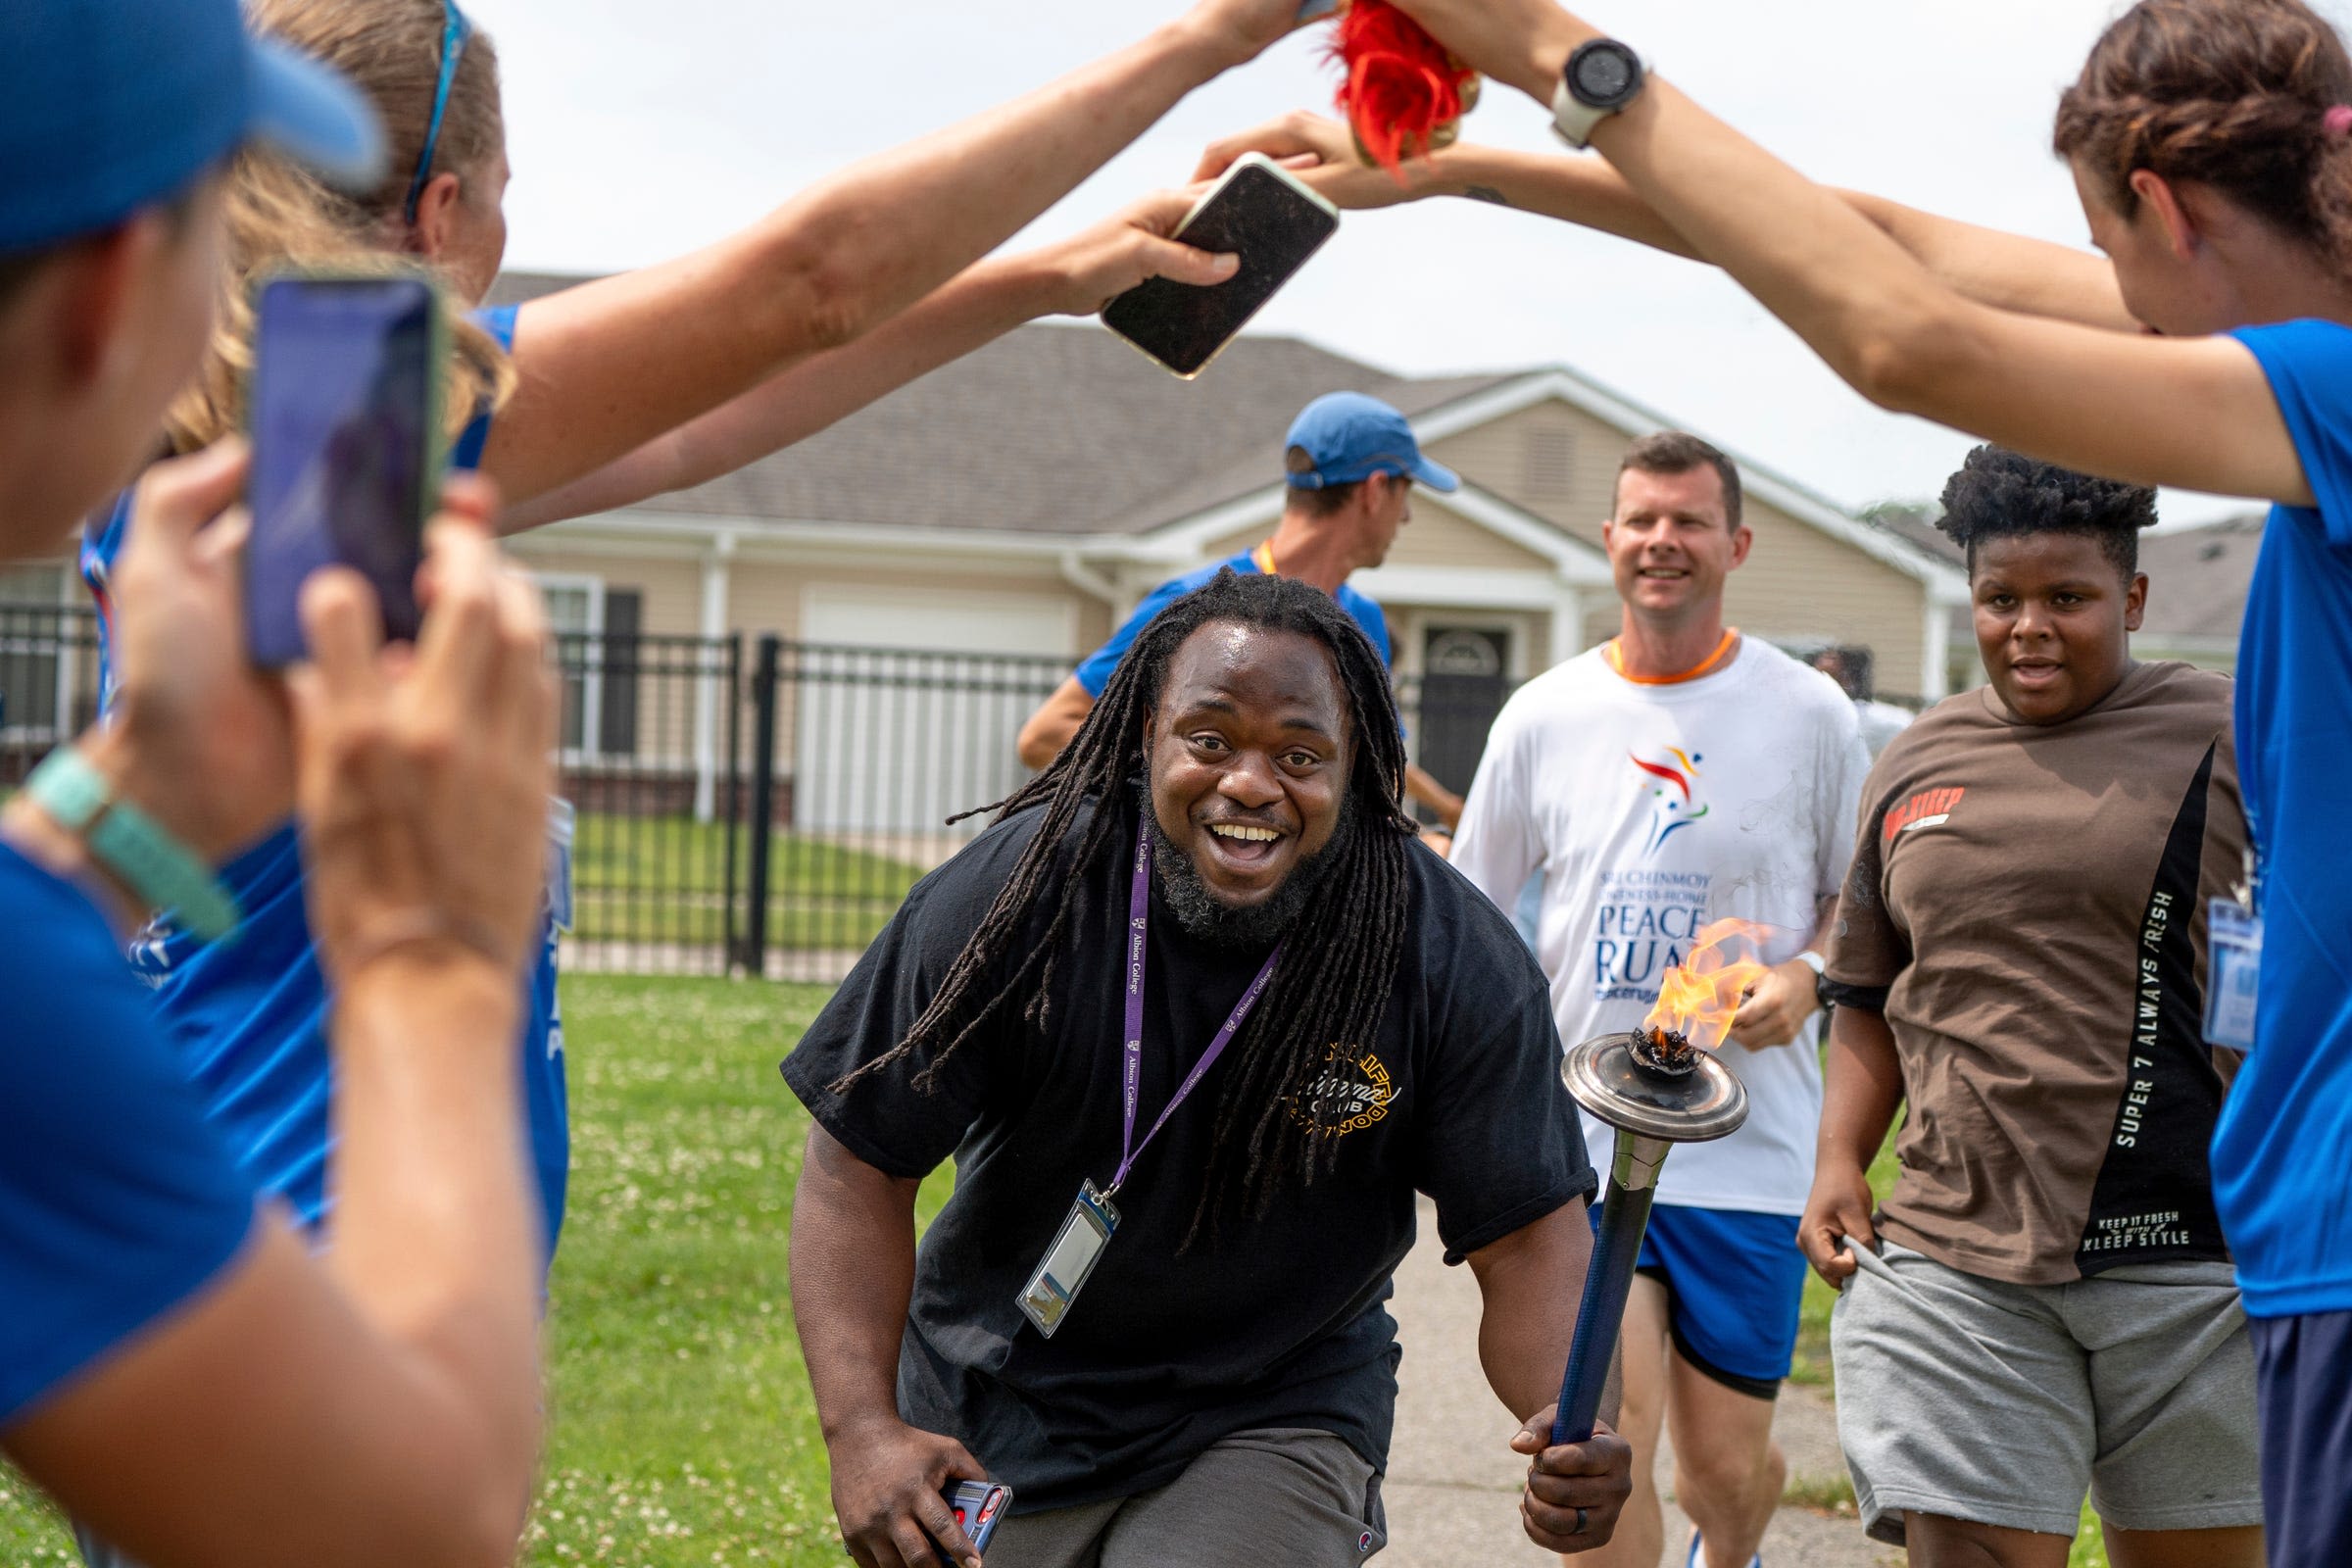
(1567, 626)
(1936, 679)
(712, 626)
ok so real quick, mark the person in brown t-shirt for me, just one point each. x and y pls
(2019, 956)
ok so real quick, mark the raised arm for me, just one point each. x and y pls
(1074, 277)
(607, 366)
(2193, 412)
(2006, 271)
(379, 1405)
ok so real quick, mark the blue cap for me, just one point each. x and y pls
(110, 106)
(1345, 436)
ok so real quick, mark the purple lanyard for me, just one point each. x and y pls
(1139, 920)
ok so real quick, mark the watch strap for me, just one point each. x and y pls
(1572, 118)
(131, 845)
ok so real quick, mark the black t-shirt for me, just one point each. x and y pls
(1277, 1321)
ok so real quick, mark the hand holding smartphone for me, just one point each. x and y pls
(345, 416)
(979, 1508)
(1257, 211)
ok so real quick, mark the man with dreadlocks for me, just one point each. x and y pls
(1199, 977)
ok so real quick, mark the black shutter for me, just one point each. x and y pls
(617, 714)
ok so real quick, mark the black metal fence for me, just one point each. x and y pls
(754, 807)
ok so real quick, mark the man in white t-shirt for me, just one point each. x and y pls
(1675, 775)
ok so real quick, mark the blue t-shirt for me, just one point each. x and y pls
(116, 1201)
(248, 1017)
(1095, 674)
(2282, 1152)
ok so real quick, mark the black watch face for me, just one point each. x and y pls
(1604, 75)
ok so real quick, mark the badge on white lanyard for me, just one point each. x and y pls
(1079, 1244)
(562, 826)
(2233, 966)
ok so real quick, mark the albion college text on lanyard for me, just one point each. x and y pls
(1046, 1299)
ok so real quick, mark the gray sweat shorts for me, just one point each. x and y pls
(1273, 1494)
(2003, 1404)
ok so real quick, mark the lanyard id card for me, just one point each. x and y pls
(1078, 1246)
(562, 826)
(2233, 939)
(1047, 1296)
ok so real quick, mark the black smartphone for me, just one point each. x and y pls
(979, 1507)
(1259, 211)
(344, 411)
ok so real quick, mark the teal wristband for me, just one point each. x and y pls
(132, 845)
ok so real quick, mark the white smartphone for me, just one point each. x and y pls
(1261, 213)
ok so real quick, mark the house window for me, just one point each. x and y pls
(596, 631)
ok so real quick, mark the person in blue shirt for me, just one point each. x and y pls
(175, 1366)
(2211, 144)
(1351, 462)
(631, 386)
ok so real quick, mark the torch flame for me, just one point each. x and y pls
(1700, 997)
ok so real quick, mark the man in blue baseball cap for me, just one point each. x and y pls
(175, 1367)
(1351, 463)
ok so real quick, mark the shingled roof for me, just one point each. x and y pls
(2197, 577)
(1036, 434)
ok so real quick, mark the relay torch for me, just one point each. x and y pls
(1658, 1086)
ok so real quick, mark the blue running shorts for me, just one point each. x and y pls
(1733, 1281)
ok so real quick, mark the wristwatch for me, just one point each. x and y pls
(1602, 77)
(153, 864)
(1820, 967)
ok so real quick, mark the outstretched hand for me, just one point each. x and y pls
(1097, 265)
(1322, 153)
(1522, 42)
(1243, 28)
(1573, 1489)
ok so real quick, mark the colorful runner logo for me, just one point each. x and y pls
(1673, 785)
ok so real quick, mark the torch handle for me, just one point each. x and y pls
(1608, 1281)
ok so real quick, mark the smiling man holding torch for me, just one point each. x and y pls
(1675, 776)
(1196, 1018)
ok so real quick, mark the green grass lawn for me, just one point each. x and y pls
(662, 879)
(681, 1429)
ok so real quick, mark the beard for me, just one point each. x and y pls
(1202, 915)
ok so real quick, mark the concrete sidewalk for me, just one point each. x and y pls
(1452, 1488)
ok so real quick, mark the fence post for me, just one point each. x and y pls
(766, 682)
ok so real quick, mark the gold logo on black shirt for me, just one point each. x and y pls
(1354, 1092)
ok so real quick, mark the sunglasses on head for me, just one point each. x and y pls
(454, 30)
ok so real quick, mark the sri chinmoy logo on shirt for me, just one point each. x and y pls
(1927, 809)
(1674, 804)
(1353, 1092)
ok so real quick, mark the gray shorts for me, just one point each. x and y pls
(2003, 1404)
(1273, 1494)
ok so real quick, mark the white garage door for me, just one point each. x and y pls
(908, 702)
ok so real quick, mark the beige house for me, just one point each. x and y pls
(1022, 500)
(1018, 504)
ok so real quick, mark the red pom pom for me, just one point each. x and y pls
(1401, 89)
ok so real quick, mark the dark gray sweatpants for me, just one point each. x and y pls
(1273, 1494)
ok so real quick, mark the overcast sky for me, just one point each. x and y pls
(638, 131)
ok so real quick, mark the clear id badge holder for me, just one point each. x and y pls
(2234, 942)
(1046, 1299)
(562, 826)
